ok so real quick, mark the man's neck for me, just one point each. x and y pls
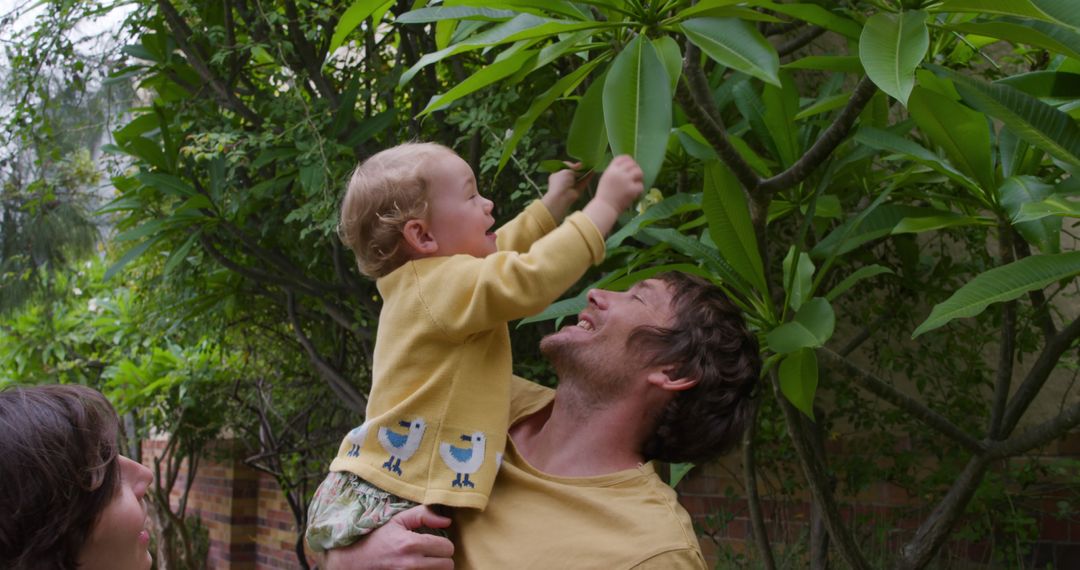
(568, 439)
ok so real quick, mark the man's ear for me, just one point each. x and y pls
(666, 378)
(418, 238)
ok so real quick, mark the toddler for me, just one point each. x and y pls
(438, 411)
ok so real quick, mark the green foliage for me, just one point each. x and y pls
(796, 191)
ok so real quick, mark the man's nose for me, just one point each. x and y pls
(599, 298)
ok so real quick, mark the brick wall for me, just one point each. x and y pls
(251, 526)
(249, 521)
(884, 516)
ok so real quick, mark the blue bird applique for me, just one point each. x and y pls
(356, 437)
(401, 446)
(464, 461)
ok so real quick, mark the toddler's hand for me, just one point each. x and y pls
(564, 188)
(621, 183)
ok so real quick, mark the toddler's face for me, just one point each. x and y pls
(459, 218)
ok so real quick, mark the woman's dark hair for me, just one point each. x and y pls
(708, 342)
(58, 471)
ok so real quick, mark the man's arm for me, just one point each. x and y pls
(395, 545)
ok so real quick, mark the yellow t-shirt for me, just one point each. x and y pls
(438, 411)
(622, 520)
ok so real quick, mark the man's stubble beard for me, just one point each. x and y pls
(584, 379)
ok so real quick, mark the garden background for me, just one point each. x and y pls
(887, 188)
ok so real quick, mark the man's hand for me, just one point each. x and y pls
(621, 184)
(564, 188)
(395, 545)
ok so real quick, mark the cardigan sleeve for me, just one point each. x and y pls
(533, 223)
(465, 295)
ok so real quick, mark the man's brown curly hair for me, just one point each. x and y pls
(710, 342)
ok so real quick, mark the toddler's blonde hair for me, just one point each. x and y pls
(384, 192)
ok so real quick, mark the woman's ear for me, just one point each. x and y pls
(666, 378)
(419, 239)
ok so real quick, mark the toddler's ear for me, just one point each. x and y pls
(419, 240)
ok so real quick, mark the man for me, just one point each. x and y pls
(663, 371)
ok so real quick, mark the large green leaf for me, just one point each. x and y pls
(824, 105)
(812, 327)
(1055, 205)
(539, 7)
(705, 8)
(752, 108)
(1022, 8)
(866, 227)
(483, 77)
(438, 13)
(1065, 11)
(542, 102)
(735, 44)
(521, 27)
(940, 221)
(850, 281)
(567, 43)
(1030, 119)
(798, 277)
(962, 133)
(781, 106)
(1018, 191)
(671, 56)
(674, 205)
(1044, 35)
(726, 209)
(891, 47)
(1054, 84)
(885, 140)
(817, 16)
(699, 251)
(587, 139)
(799, 379)
(838, 63)
(637, 106)
(352, 18)
(1002, 284)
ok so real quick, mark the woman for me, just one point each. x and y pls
(67, 499)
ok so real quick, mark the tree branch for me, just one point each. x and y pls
(1004, 370)
(182, 33)
(934, 531)
(826, 143)
(800, 40)
(696, 100)
(1038, 375)
(1038, 435)
(887, 392)
(1038, 298)
(753, 498)
(349, 396)
(308, 58)
(817, 479)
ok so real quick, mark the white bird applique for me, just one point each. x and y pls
(464, 460)
(401, 446)
(356, 437)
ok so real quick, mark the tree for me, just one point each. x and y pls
(773, 183)
(58, 109)
(881, 174)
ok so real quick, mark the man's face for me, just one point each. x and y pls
(594, 352)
